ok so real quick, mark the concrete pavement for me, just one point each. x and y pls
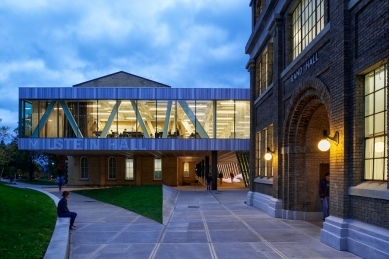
(202, 224)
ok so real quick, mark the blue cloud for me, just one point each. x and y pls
(179, 43)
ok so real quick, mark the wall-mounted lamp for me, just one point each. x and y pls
(324, 144)
(269, 154)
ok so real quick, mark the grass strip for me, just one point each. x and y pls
(145, 200)
(27, 222)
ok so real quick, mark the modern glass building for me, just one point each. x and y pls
(137, 131)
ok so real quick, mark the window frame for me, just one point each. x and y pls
(305, 27)
(83, 167)
(157, 165)
(129, 170)
(112, 168)
(370, 118)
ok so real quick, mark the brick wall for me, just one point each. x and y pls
(328, 95)
(371, 211)
(143, 171)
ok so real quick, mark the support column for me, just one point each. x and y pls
(206, 167)
(215, 173)
(202, 170)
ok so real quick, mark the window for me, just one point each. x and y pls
(307, 22)
(112, 168)
(264, 70)
(376, 125)
(84, 167)
(129, 169)
(157, 169)
(264, 139)
(186, 169)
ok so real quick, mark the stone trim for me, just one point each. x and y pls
(264, 180)
(273, 207)
(371, 189)
(362, 239)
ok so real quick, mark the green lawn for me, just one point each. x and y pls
(144, 200)
(27, 222)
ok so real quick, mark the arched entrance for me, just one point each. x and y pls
(306, 118)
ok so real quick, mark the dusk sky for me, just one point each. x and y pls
(181, 43)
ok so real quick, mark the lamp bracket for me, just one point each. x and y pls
(268, 150)
(335, 138)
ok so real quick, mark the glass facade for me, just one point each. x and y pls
(134, 119)
(376, 157)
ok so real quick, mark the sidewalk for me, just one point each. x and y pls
(204, 224)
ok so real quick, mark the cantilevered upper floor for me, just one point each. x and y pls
(115, 118)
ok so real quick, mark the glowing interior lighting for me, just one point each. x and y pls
(158, 109)
(225, 112)
(379, 147)
(246, 122)
(197, 106)
(93, 105)
(127, 111)
(100, 113)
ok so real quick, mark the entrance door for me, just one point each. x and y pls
(324, 168)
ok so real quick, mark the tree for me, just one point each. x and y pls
(5, 152)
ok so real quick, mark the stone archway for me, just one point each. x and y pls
(306, 118)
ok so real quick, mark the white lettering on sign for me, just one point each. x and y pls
(84, 144)
(312, 60)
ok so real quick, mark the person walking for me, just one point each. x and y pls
(221, 177)
(209, 181)
(324, 193)
(63, 211)
(232, 177)
(59, 182)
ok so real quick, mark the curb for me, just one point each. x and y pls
(60, 240)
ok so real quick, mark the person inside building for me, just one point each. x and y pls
(63, 211)
(221, 177)
(324, 193)
(232, 177)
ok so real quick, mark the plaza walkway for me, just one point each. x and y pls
(204, 224)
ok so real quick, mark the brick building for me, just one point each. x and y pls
(319, 70)
(122, 129)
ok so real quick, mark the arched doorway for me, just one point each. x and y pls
(306, 118)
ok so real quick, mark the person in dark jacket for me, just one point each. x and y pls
(221, 177)
(209, 181)
(324, 193)
(63, 211)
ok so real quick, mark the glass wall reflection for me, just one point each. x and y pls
(223, 119)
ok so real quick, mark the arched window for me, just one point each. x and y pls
(112, 168)
(84, 168)
(186, 169)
